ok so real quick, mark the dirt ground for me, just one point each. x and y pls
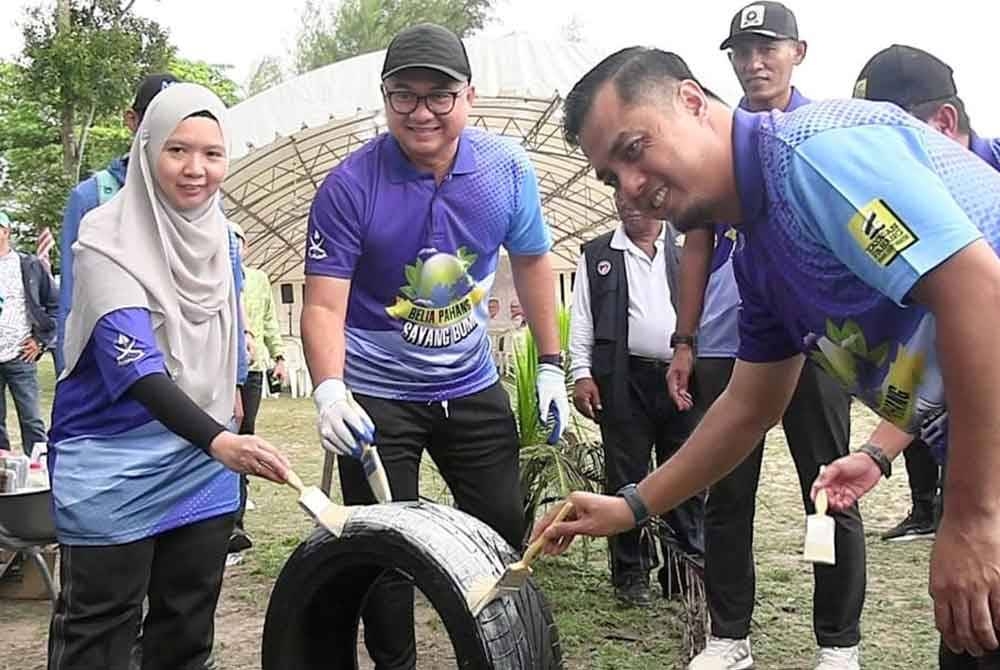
(897, 623)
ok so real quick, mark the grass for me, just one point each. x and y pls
(897, 623)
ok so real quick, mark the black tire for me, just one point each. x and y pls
(315, 606)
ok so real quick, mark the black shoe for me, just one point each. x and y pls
(634, 591)
(918, 525)
(239, 541)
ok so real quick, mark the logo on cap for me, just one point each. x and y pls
(752, 17)
(861, 88)
(603, 268)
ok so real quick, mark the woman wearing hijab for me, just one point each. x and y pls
(144, 468)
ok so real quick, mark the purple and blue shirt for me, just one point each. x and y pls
(718, 332)
(118, 475)
(846, 205)
(421, 258)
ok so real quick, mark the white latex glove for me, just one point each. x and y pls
(553, 403)
(344, 426)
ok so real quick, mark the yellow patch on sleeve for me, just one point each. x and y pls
(880, 232)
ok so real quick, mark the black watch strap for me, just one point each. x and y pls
(551, 359)
(630, 493)
(877, 455)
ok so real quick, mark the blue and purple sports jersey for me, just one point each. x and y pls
(118, 475)
(718, 332)
(988, 150)
(421, 258)
(847, 204)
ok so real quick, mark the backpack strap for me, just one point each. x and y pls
(107, 186)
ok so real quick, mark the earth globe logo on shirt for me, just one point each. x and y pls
(437, 303)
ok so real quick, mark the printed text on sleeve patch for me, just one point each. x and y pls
(880, 232)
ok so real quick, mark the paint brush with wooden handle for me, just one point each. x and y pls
(316, 504)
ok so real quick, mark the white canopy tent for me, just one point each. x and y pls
(287, 138)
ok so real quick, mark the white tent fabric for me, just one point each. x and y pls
(287, 138)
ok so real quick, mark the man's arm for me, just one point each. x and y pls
(272, 331)
(535, 284)
(755, 400)
(967, 323)
(322, 323)
(581, 326)
(695, 266)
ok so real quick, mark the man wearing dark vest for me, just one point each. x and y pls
(620, 343)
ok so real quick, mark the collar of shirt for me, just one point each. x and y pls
(622, 242)
(746, 165)
(982, 148)
(401, 169)
(794, 102)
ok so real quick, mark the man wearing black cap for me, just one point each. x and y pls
(764, 49)
(402, 246)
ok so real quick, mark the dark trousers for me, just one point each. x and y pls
(817, 425)
(923, 473)
(473, 441)
(949, 660)
(22, 379)
(251, 392)
(653, 421)
(97, 614)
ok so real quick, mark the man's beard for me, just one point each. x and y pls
(697, 216)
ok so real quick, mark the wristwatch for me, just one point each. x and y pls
(877, 455)
(630, 492)
(677, 339)
(551, 359)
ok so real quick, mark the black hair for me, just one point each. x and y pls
(204, 114)
(925, 110)
(636, 72)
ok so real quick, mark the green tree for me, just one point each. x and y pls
(355, 27)
(267, 73)
(81, 63)
(209, 76)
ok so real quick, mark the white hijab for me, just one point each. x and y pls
(137, 250)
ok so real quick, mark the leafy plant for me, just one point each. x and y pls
(549, 471)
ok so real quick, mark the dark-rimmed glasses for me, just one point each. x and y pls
(439, 103)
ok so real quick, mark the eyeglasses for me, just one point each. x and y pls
(439, 103)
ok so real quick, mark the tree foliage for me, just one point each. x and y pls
(355, 27)
(267, 73)
(62, 102)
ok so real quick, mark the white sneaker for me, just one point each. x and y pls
(722, 653)
(839, 658)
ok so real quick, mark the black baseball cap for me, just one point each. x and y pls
(906, 76)
(768, 19)
(430, 46)
(148, 89)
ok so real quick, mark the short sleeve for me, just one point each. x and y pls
(125, 349)
(334, 232)
(763, 338)
(528, 235)
(874, 199)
